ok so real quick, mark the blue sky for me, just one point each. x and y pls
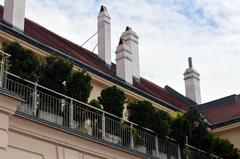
(169, 32)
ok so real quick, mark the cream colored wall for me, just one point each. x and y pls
(97, 88)
(230, 132)
(98, 82)
(29, 140)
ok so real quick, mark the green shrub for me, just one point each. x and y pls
(141, 113)
(112, 100)
(161, 123)
(191, 124)
(95, 103)
(96, 118)
(79, 86)
(55, 71)
(225, 149)
(144, 114)
(180, 129)
(22, 61)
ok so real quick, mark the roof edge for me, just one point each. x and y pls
(178, 95)
(225, 123)
(228, 99)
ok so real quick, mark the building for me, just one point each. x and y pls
(31, 133)
(223, 117)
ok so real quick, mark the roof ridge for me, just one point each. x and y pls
(218, 102)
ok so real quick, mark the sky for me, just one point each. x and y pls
(169, 32)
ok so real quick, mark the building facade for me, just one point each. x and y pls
(28, 132)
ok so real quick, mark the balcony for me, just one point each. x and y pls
(67, 114)
(60, 111)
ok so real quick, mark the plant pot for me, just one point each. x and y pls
(112, 138)
(141, 148)
(88, 127)
(85, 127)
(50, 117)
(163, 155)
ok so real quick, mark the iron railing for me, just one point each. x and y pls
(191, 152)
(62, 110)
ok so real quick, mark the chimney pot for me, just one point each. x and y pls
(103, 8)
(190, 62)
(128, 28)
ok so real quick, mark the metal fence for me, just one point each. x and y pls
(56, 108)
(191, 152)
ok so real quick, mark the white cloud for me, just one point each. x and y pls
(169, 32)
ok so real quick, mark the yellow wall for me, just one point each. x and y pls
(230, 132)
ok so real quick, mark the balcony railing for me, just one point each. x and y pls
(195, 153)
(66, 112)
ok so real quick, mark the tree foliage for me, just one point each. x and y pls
(191, 124)
(180, 129)
(141, 113)
(225, 149)
(79, 86)
(95, 103)
(144, 114)
(55, 71)
(112, 100)
(161, 123)
(22, 61)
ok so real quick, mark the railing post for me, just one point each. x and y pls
(156, 146)
(35, 100)
(2, 72)
(132, 137)
(187, 146)
(71, 114)
(103, 126)
(179, 152)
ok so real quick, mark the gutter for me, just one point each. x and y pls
(225, 122)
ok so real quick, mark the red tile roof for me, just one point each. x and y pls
(221, 110)
(43, 35)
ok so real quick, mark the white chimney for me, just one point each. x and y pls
(124, 61)
(104, 35)
(132, 39)
(14, 13)
(192, 83)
